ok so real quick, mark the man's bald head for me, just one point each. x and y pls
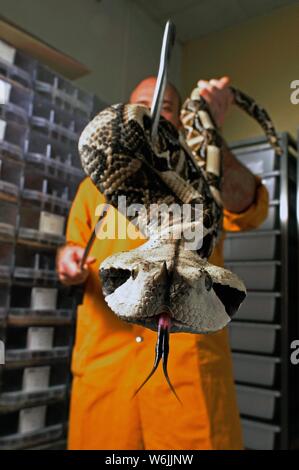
(143, 94)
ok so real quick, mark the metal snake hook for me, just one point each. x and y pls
(93, 235)
(158, 97)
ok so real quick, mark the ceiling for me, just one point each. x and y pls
(197, 18)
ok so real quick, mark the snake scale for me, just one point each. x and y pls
(164, 285)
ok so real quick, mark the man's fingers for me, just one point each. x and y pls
(67, 281)
(69, 265)
(207, 95)
(219, 83)
(77, 254)
(73, 280)
(216, 84)
(212, 92)
(224, 81)
(221, 88)
(203, 83)
(218, 96)
(68, 268)
(87, 264)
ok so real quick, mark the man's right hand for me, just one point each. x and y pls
(68, 262)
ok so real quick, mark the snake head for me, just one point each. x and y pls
(139, 285)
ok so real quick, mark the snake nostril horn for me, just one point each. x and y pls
(134, 274)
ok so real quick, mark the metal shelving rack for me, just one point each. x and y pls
(262, 331)
(41, 117)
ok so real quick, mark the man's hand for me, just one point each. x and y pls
(218, 96)
(239, 185)
(68, 265)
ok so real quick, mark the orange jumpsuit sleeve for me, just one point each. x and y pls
(82, 213)
(252, 217)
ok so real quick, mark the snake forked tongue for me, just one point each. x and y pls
(161, 350)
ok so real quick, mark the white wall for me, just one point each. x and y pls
(114, 38)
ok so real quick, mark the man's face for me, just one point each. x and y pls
(143, 94)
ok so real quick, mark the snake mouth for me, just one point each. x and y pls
(164, 318)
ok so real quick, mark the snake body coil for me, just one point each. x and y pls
(163, 284)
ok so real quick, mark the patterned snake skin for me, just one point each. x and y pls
(163, 285)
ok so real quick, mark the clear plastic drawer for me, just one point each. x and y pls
(254, 337)
(16, 65)
(257, 275)
(272, 184)
(259, 436)
(35, 379)
(53, 195)
(24, 441)
(34, 266)
(61, 92)
(40, 305)
(259, 158)
(272, 220)
(10, 178)
(15, 101)
(12, 138)
(27, 358)
(40, 227)
(259, 306)
(11, 401)
(31, 426)
(258, 402)
(6, 260)
(53, 445)
(84, 101)
(53, 157)
(4, 300)
(255, 369)
(8, 219)
(253, 245)
(52, 121)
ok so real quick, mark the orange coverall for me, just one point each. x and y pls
(111, 358)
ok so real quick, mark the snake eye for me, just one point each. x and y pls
(229, 296)
(208, 282)
(113, 278)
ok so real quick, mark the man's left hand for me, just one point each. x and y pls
(218, 96)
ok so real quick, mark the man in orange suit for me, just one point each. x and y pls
(111, 358)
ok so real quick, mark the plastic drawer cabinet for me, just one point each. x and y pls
(41, 117)
(262, 331)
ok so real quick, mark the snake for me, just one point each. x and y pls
(167, 283)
